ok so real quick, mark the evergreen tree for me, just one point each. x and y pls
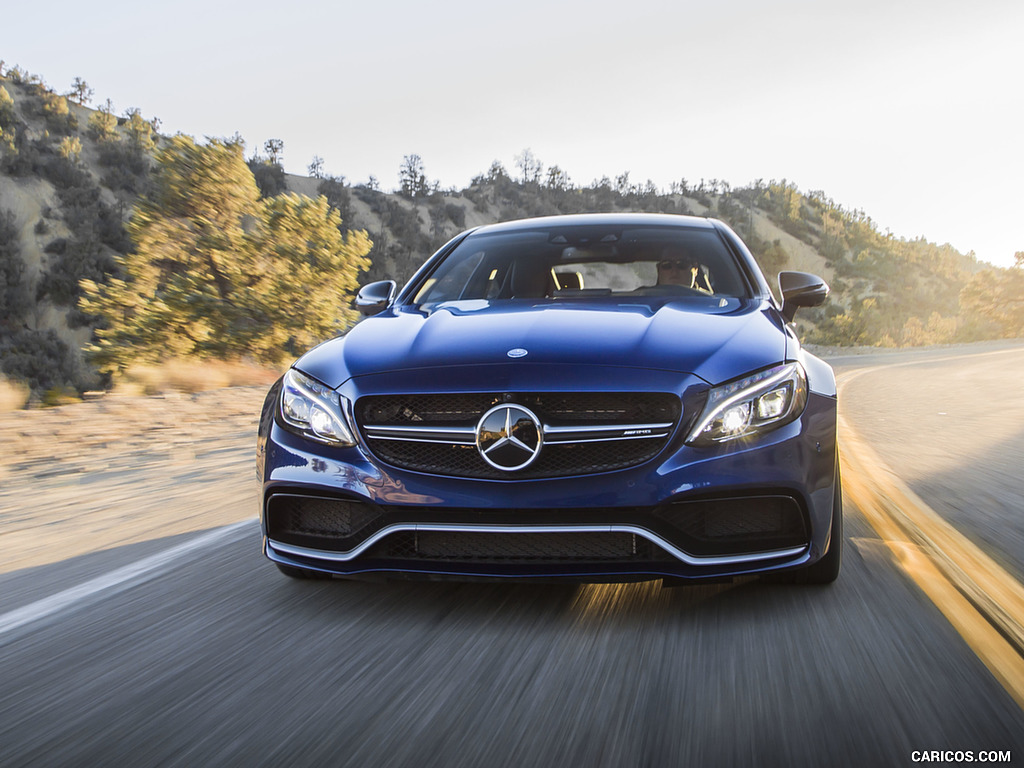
(412, 178)
(81, 93)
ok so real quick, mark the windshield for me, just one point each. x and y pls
(575, 262)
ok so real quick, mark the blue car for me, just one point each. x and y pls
(606, 397)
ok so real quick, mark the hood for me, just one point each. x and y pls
(714, 339)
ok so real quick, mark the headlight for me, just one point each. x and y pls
(312, 410)
(757, 403)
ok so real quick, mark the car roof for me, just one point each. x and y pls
(600, 219)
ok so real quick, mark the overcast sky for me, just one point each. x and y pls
(910, 111)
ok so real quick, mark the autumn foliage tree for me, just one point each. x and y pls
(218, 272)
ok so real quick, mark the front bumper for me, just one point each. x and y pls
(726, 510)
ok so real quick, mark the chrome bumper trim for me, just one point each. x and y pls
(685, 557)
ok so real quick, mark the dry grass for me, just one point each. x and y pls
(13, 395)
(191, 376)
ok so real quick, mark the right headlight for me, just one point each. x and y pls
(313, 410)
(757, 403)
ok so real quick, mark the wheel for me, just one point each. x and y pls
(301, 573)
(826, 570)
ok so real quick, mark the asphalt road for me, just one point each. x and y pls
(208, 656)
(950, 423)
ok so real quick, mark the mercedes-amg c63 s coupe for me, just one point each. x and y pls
(608, 397)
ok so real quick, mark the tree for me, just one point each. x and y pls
(218, 272)
(412, 178)
(496, 172)
(140, 131)
(623, 185)
(316, 168)
(80, 92)
(103, 122)
(557, 179)
(275, 150)
(302, 267)
(997, 295)
(529, 166)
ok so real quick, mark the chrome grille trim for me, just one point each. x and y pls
(571, 440)
(557, 435)
(552, 435)
(679, 554)
(446, 435)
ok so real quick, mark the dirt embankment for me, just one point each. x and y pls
(121, 470)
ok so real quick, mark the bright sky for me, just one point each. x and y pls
(909, 110)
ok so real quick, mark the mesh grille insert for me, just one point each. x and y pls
(315, 521)
(516, 547)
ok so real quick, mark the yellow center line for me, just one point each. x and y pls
(982, 601)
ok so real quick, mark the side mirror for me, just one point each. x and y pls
(376, 297)
(800, 289)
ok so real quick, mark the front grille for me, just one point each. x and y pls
(512, 548)
(565, 452)
(554, 460)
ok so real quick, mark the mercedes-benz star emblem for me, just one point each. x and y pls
(509, 437)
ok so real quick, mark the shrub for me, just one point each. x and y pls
(338, 197)
(39, 359)
(8, 118)
(102, 124)
(269, 177)
(14, 304)
(128, 166)
(57, 396)
(57, 115)
(70, 148)
(456, 214)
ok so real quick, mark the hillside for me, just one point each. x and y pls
(71, 175)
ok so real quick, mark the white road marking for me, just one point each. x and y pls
(129, 573)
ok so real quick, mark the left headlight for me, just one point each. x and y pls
(756, 403)
(313, 410)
